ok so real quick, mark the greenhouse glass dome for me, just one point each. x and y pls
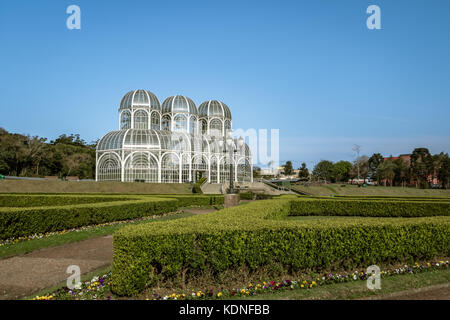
(173, 142)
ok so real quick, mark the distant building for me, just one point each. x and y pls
(407, 157)
(269, 172)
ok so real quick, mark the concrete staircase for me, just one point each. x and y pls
(256, 187)
(211, 188)
(260, 187)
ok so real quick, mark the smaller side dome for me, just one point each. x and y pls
(214, 108)
(111, 141)
(176, 104)
(140, 98)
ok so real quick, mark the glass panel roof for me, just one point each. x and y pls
(214, 108)
(163, 140)
(178, 103)
(140, 98)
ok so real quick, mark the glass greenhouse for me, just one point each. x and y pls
(174, 142)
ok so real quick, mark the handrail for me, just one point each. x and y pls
(206, 180)
(273, 185)
(283, 188)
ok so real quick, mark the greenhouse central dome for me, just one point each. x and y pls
(171, 142)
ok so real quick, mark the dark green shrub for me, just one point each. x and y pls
(245, 196)
(197, 186)
(16, 222)
(262, 196)
(32, 200)
(195, 200)
(374, 208)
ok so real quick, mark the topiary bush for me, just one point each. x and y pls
(197, 186)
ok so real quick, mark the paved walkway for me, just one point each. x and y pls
(23, 275)
(436, 292)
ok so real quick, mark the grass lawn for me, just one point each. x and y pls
(353, 190)
(358, 289)
(25, 186)
(73, 236)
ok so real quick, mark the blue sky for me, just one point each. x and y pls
(309, 68)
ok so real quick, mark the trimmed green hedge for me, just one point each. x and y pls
(22, 215)
(387, 198)
(194, 200)
(245, 195)
(31, 200)
(259, 235)
(248, 195)
(367, 208)
(16, 222)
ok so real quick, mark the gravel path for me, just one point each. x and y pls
(22, 275)
(436, 292)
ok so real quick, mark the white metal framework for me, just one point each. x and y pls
(173, 142)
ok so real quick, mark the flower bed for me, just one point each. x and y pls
(99, 287)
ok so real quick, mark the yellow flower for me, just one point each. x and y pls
(219, 294)
(302, 286)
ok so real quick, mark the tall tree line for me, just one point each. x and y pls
(420, 171)
(33, 156)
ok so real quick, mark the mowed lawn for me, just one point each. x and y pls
(353, 190)
(25, 186)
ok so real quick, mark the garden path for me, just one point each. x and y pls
(23, 275)
(435, 292)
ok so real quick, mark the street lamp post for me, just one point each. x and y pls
(230, 147)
